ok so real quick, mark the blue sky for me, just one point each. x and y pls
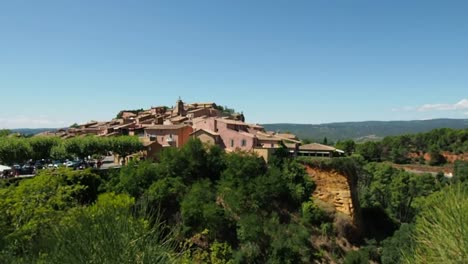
(70, 61)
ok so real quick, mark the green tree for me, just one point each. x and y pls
(95, 146)
(460, 171)
(59, 152)
(217, 253)
(4, 132)
(125, 145)
(108, 232)
(14, 150)
(75, 125)
(440, 234)
(394, 190)
(395, 246)
(136, 178)
(200, 211)
(399, 155)
(348, 146)
(370, 150)
(74, 147)
(31, 208)
(436, 157)
(357, 257)
(42, 146)
(165, 194)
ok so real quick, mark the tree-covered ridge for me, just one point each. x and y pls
(411, 148)
(359, 131)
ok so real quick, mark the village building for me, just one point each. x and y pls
(161, 127)
(318, 150)
(168, 135)
(208, 137)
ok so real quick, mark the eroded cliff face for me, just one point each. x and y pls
(339, 190)
(333, 188)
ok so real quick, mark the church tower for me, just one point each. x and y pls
(179, 108)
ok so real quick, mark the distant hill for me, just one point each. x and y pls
(367, 130)
(31, 131)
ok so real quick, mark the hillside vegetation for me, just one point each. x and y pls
(365, 130)
(198, 204)
(220, 208)
(413, 148)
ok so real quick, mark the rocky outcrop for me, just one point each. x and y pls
(332, 188)
(338, 190)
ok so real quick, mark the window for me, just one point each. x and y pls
(232, 143)
(243, 143)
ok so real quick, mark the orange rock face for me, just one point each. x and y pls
(332, 188)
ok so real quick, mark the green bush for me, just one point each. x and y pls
(441, 230)
(357, 257)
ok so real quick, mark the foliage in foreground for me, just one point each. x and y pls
(108, 232)
(212, 207)
(441, 230)
(223, 208)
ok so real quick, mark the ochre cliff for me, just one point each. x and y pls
(333, 188)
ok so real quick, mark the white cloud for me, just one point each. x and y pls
(31, 122)
(461, 105)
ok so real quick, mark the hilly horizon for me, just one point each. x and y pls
(364, 130)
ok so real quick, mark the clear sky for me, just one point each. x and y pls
(309, 61)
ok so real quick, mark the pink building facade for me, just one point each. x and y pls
(234, 135)
(169, 135)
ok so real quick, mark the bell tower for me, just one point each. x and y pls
(179, 108)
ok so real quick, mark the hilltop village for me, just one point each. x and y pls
(162, 127)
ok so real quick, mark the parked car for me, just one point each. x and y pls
(39, 164)
(70, 163)
(27, 169)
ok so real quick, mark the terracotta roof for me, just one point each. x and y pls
(316, 147)
(255, 126)
(143, 116)
(288, 138)
(290, 145)
(196, 110)
(128, 114)
(146, 122)
(89, 123)
(205, 130)
(112, 134)
(201, 118)
(267, 137)
(179, 118)
(92, 129)
(123, 126)
(246, 134)
(161, 127)
(232, 122)
(287, 135)
(202, 103)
